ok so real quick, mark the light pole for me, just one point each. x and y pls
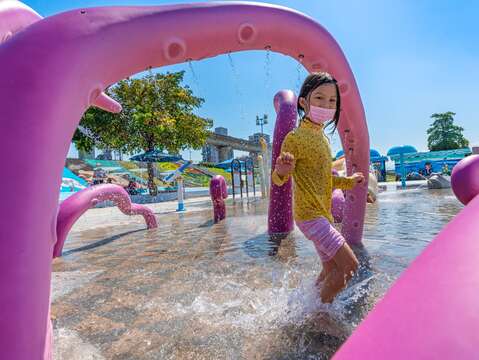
(261, 121)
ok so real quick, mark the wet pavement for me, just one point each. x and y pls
(192, 289)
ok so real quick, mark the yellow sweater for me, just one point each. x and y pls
(313, 181)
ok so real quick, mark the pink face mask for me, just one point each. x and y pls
(320, 115)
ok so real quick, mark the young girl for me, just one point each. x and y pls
(306, 155)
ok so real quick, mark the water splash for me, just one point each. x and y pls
(236, 80)
(267, 77)
(194, 76)
(219, 290)
(299, 70)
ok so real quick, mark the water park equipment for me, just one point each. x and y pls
(401, 151)
(77, 55)
(264, 164)
(262, 177)
(436, 160)
(76, 205)
(242, 177)
(337, 200)
(339, 168)
(74, 55)
(236, 178)
(337, 205)
(280, 213)
(377, 161)
(249, 177)
(71, 182)
(218, 193)
(439, 181)
(176, 175)
(465, 179)
(338, 197)
(414, 319)
(372, 187)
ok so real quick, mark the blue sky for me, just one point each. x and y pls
(410, 58)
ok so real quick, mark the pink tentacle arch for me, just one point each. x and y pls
(15, 17)
(59, 66)
(76, 205)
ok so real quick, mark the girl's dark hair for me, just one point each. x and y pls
(311, 82)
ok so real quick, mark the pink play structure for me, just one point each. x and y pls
(218, 193)
(75, 206)
(432, 310)
(53, 69)
(280, 212)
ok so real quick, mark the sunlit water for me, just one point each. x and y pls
(197, 290)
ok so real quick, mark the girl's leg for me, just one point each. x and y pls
(339, 261)
(333, 284)
(345, 265)
(328, 266)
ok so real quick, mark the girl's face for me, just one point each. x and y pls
(323, 96)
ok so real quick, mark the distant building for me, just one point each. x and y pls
(221, 131)
(215, 154)
(210, 154)
(255, 138)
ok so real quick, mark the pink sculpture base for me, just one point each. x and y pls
(465, 179)
(75, 206)
(337, 206)
(218, 193)
(280, 214)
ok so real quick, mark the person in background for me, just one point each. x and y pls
(427, 169)
(445, 170)
(98, 175)
(132, 188)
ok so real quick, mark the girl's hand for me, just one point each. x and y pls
(284, 164)
(358, 178)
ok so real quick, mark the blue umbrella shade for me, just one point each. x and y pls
(156, 156)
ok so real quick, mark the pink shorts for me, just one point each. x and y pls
(325, 237)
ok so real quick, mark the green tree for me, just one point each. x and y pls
(157, 115)
(444, 135)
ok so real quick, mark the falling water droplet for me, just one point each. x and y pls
(237, 87)
(195, 77)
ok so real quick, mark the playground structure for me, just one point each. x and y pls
(401, 151)
(75, 206)
(465, 179)
(80, 52)
(176, 175)
(243, 178)
(378, 162)
(280, 214)
(264, 163)
(339, 169)
(413, 325)
(415, 162)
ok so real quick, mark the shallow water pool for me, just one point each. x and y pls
(192, 289)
